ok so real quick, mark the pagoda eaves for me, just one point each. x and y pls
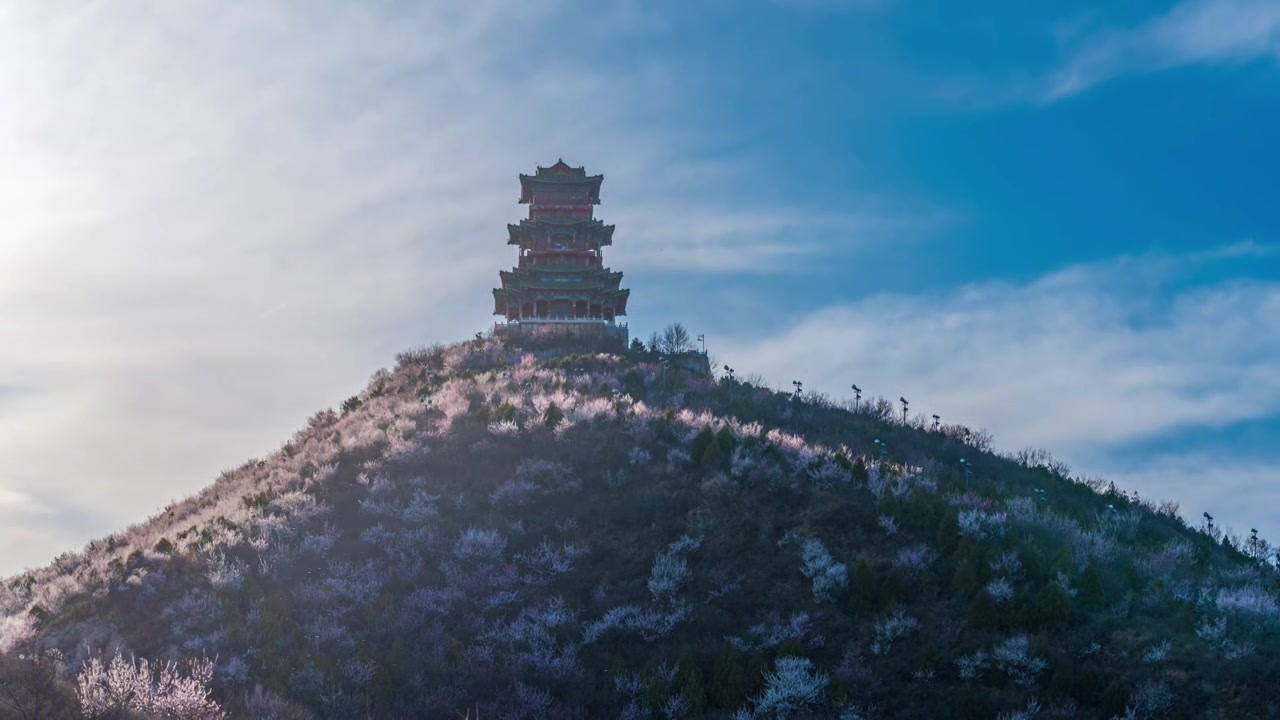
(560, 282)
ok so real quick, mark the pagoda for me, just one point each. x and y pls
(560, 284)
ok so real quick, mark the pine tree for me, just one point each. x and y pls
(948, 535)
(725, 440)
(983, 613)
(729, 680)
(1089, 590)
(860, 474)
(865, 596)
(1052, 607)
(553, 416)
(705, 438)
(689, 684)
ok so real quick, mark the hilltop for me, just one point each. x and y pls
(537, 531)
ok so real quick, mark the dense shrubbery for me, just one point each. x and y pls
(483, 527)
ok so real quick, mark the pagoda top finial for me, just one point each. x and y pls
(561, 169)
(561, 174)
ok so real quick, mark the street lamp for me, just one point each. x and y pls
(729, 370)
(663, 359)
(703, 339)
(968, 467)
(936, 420)
(904, 409)
(799, 385)
(857, 397)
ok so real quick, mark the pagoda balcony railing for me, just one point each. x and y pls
(568, 320)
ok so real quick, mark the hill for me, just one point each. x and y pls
(526, 531)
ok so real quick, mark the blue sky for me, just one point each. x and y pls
(1061, 225)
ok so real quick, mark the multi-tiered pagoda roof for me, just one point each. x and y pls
(560, 278)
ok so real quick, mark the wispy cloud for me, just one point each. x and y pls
(217, 218)
(1239, 494)
(1191, 33)
(842, 6)
(1090, 357)
(1083, 362)
(761, 240)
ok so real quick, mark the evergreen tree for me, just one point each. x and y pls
(860, 474)
(703, 440)
(729, 680)
(983, 613)
(1052, 607)
(726, 441)
(689, 684)
(891, 590)
(553, 416)
(865, 596)
(1089, 591)
(948, 534)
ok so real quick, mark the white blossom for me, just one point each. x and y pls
(136, 687)
(827, 574)
(889, 628)
(972, 666)
(670, 572)
(1012, 658)
(793, 687)
(1000, 590)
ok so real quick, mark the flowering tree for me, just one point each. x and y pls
(791, 689)
(827, 574)
(1013, 658)
(124, 686)
(891, 627)
(1000, 590)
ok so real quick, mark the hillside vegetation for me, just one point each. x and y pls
(531, 533)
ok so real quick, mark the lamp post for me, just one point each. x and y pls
(936, 420)
(857, 398)
(729, 370)
(904, 409)
(799, 386)
(968, 468)
(663, 359)
(703, 339)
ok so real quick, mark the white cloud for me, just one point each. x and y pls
(217, 218)
(761, 240)
(1084, 362)
(1088, 358)
(1192, 32)
(1240, 495)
